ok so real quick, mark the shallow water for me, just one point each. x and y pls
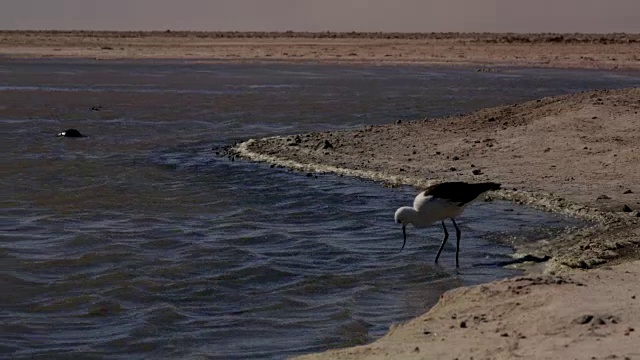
(138, 241)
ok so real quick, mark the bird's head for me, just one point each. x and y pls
(403, 216)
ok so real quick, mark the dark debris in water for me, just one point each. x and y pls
(104, 309)
(526, 258)
(71, 133)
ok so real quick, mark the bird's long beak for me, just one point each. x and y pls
(404, 235)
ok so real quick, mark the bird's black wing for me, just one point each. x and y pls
(460, 192)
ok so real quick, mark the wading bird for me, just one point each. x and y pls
(439, 202)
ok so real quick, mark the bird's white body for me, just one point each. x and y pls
(439, 202)
(428, 209)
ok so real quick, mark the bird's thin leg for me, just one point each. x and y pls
(444, 241)
(457, 240)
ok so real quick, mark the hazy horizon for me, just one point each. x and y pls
(587, 16)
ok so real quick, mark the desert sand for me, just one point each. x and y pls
(576, 154)
(608, 51)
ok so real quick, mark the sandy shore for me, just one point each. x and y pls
(577, 154)
(608, 51)
(588, 315)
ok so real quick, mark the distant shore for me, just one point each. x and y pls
(485, 50)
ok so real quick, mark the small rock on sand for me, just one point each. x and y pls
(324, 145)
(584, 319)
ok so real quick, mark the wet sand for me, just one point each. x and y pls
(576, 154)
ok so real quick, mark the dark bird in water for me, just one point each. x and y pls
(439, 202)
(71, 133)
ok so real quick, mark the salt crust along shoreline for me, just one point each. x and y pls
(576, 154)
